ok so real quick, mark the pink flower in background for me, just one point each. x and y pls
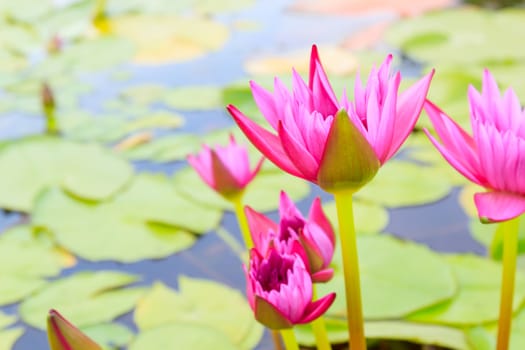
(279, 290)
(62, 335)
(225, 169)
(494, 156)
(315, 235)
(306, 140)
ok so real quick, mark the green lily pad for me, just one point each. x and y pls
(109, 334)
(194, 98)
(227, 312)
(144, 94)
(25, 261)
(399, 184)
(86, 298)
(8, 337)
(148, 220)
(413, 276)
(182, 336)
(477, 300)
(30, 165)
(371, 218)
(462, 36)
(391, 330)
(165, 149)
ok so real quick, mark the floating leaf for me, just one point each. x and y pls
(114, 334)
(144, 94)
(477, 300)
(194, 98)
(169, 38)
(370, 217)
(391, 330)
(165, 149)
(8, 337)
(87, 298)
(30, 165)
(414, 276)
(148, 220)
(399, 184)
(182, 336)
(227, 312)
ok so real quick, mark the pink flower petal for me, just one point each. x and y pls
(318, 216)
(323, 276)
(499, 206)
(267, 143)
(317, 308)
(260, 229)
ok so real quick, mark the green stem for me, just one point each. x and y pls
(276, 337)
(510, 249)
(319, 328)
(290, 343)
(243, 222)
(345, 215)
(51, 121)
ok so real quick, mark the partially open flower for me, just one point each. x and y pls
(315, 235)
(335, 144)
(225, 169)
(279, 290)
(494, 156)
(62, 335)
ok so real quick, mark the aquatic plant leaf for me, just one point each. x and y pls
(227, 312)
(182, 336)
(477, 300)
(428, 334)
(30, 165)
(169, 38)
(8, 337)
(88, 298)
(371, 218)
(193, 98)
(414, 276)
(168, 148)
(400, 184)
(114, 334)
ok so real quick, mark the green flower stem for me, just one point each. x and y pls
(51, 120)
(243, 222)
(276, 337)
(290, 343)
(510, 250)
(319, 328)
(345, 216)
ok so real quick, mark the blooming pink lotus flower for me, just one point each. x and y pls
(62, 335)
(329, 142)
(494, 156)
(225, 169)
(315, 235)
(279, 290)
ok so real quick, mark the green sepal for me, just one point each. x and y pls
(349, 162)
(269, 316)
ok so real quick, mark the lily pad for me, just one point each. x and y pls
(392, 330)
(227, 312)
(169, 38)
(477, 300)
(414, 276)
(182, 336)
(399, 184)
(8, 337)
(148, 220)
(109, 334)
(165, 149)
(86, 298)
(30, 165)
(371, 218)
(194, 98)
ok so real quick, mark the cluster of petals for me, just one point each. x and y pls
(226, 169)
(312, 238)
(303, 118)
(494, 155)
(279, 290)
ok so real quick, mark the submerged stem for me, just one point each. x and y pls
(319, 328)
(345, 216)
(243, 222)
(290, 343)
(509, 230)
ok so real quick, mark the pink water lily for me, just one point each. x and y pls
(329, 142)
(225, 169)
(63, 335)
(279, 290)
(494, 156)
(314, 234)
